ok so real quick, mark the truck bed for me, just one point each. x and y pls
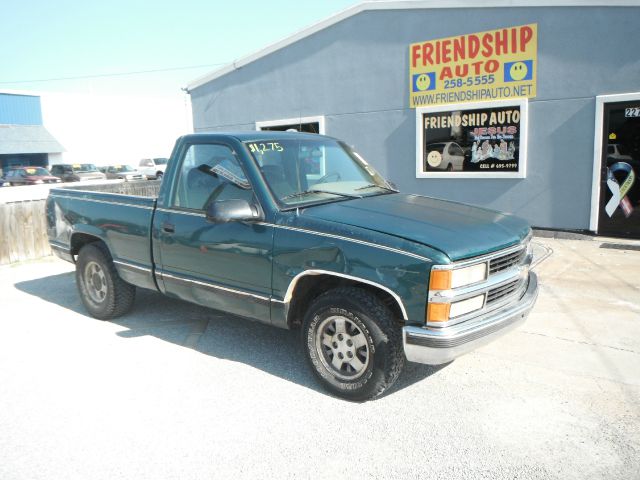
(122, 221)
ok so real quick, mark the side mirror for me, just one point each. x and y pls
(233, 210)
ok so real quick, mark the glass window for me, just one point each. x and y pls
(455, 149)
(37, 171)
(85, 167)
(210, 173)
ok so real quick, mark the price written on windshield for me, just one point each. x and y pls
(265, 147)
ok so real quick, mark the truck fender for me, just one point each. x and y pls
(83, 234)
(289, 301)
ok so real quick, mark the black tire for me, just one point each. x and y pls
(104, 294)
(159, 175)
(363, 317)
(449, 168)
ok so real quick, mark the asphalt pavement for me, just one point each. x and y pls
(176, 391)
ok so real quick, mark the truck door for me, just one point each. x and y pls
(226, 266)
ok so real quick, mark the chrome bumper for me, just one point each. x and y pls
(435, 346)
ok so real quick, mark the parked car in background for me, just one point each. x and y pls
(68, 172)
(29, 176)
(122, 172)
(617, 153)
(447, 156)
(153, 168)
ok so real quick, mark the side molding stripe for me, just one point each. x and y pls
(353, 240)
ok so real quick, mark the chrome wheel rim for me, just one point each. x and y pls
(96, 282)
(342, 347)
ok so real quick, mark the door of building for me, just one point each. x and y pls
(619, 214)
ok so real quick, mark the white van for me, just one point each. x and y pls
(153, 168)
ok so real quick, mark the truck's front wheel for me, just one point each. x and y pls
(352, 343)
(104, 294)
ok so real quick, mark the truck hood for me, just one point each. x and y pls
(461, 231)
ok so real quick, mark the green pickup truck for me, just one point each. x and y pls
(298, 230)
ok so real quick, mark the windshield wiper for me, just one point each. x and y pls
(313, 190)
(371, 185)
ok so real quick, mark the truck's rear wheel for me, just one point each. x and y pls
(353, 344)
(104, 294)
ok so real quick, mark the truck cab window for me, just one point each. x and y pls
(209, 173)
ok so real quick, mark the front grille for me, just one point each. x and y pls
(506, 261)
(495, 294)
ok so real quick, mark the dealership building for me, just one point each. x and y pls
(24, 141)
(528, 107)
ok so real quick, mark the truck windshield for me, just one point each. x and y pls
(123, 168)
(301, 171)
(36, 171)
(85, 167)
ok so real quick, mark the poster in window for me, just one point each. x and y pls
(478, 141)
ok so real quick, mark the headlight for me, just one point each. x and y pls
(448, 279)
(459, 277)
(466, 306)
(468, 275)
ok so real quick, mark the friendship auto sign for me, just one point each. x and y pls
(492, 65)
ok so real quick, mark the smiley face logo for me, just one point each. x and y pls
(434, 158)
(518, 71)
(423, 81)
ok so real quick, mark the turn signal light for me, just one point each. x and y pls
(438, 312)
(440, 280)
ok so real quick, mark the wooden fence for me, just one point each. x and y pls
(23, 225)
(23, 231)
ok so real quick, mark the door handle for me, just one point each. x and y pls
(168, 227)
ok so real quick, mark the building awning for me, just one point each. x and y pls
(16, 139)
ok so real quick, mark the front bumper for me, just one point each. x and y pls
(435, 346)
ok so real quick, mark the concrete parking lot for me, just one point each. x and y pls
(173, 390)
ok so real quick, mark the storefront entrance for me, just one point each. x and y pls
(619, 210)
